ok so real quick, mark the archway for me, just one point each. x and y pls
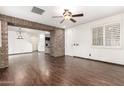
(57, 36)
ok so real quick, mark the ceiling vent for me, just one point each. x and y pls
(37, 10)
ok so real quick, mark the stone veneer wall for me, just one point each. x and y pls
(57, 43)
(14, 21)
(57, 37)
(4, 48)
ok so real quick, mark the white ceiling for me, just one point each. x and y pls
(90, 13)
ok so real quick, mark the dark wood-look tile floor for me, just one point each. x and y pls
(41, 69)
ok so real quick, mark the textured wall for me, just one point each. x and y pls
(57, 43)
(4, 48)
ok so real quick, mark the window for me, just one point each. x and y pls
(112, 35)
(98, 36)
(107, 35)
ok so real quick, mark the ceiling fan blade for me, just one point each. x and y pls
(73, 20)
(62, 21)
(57, 16)
(78, 15)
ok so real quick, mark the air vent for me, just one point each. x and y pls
(37, 10)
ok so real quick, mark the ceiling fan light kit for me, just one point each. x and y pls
(67, 15)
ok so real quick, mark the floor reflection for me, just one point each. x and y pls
(40, 69)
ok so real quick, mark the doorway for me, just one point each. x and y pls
(31, 40)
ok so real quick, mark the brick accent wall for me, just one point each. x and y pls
(57, 43)
(4, 48)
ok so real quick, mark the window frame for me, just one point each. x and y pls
(104, 45)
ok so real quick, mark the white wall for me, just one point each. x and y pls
(34, 41)
(82, 34)
(41, 42)
(18, 45)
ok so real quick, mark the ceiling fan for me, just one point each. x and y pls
(67, 15)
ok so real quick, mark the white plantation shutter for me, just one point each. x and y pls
(112, 35)
(107, 35)
(98, 36)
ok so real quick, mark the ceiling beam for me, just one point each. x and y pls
(14, 21)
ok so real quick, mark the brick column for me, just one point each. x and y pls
(4, 48)
(57, 43)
